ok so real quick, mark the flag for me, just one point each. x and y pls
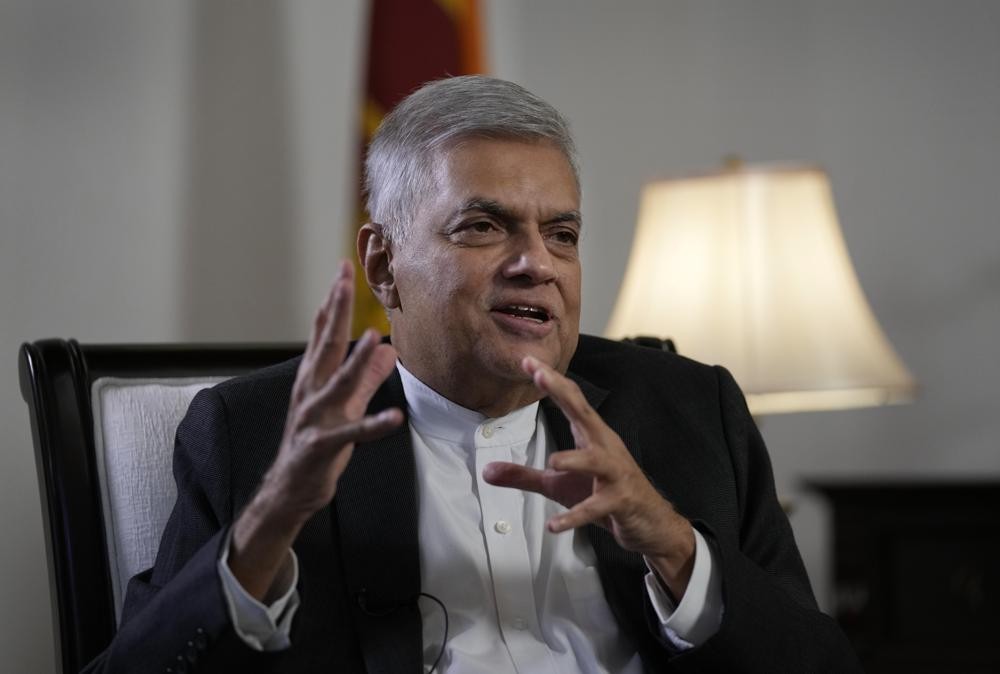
(410, 42)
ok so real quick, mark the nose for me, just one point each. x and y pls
(530, 258)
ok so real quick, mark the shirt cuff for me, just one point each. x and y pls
(261, 627)
(697, 616)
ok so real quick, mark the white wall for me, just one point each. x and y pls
(899, 100)
(182, 170)
(169, 171)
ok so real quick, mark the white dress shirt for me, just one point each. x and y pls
(519, 599)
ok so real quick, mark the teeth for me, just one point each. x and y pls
(527, 312)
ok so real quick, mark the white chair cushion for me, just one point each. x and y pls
(134, 425)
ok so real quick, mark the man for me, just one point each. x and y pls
(488, 491)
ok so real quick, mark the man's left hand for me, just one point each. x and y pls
(600, 483)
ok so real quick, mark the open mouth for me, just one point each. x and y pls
(526, 312)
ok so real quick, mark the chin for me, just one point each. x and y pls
(509, 368)
(555, 354)
(547, 356)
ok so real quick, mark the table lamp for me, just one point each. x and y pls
(747, 268)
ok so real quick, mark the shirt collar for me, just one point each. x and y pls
(432, 414)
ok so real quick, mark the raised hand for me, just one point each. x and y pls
(326, 416)
(327, 406)
(600, 483)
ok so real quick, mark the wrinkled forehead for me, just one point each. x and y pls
(439, 155)
(500, 163)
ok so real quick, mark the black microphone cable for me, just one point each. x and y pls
(363, 604)
(444, 640)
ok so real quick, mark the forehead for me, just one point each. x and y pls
(532, 175)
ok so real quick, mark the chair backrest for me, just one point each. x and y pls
(134, 425)
(103, 419)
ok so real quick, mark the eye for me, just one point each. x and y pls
(477, 233)
(481, 226)
(566, 236)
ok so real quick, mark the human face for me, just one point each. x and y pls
(489, 272)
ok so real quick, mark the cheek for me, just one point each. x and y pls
(449, 284)
(448, 299)
(463, 279)
(571, 290)
(423, 282)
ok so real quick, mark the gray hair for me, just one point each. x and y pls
(401, 156)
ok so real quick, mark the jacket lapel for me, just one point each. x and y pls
(376, 509)
(562, 434)
(623, 594)
(557, 421)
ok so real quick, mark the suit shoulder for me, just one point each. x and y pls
(248, 401)
(275, 379)
(611, 364)
(234, 429)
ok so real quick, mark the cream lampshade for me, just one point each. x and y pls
(748, 268)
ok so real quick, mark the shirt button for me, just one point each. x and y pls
(502, 527)
(520, 624)
(488, 431)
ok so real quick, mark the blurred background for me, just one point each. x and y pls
(184, 170)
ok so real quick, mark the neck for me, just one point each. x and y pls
(489, 395)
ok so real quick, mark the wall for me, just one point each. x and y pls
(181, 171)
(170, 171)
(898, 100)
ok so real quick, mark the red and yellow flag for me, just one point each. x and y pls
(410, 42)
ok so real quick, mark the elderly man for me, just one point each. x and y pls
(488, 491)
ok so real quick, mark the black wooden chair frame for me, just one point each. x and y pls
(56, 377)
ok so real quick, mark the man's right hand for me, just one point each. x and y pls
(326, 416)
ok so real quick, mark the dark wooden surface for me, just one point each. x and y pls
(917, 573)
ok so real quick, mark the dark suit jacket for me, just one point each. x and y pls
(687, 426)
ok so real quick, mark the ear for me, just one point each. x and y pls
(375, 254)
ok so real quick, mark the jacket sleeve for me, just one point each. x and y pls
(770, 622)
(174, 617)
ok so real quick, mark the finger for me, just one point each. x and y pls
(332, 345)
(322, 318)
(303, 376)
(596, 464)
(364, 373)
(380, 365)
(365, 429)
(591, 510)
(354, 384)
(584, 421)
(504, 474)
(345, 378)
(306, 377)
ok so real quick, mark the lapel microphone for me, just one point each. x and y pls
(388, 608)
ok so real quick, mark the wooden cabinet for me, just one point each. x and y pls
(917, 573)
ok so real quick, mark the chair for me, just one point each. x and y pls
(103, 419)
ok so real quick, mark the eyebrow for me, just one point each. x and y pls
(507, 216)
